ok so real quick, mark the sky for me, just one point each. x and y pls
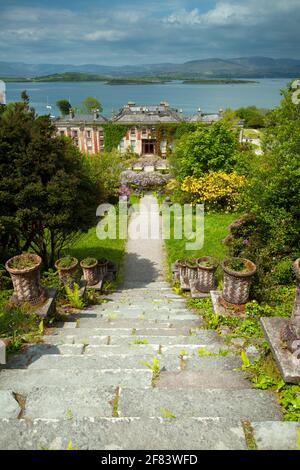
(119, 32)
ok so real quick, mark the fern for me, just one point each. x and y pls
(245, 360)
(73, 296)
(41, 328)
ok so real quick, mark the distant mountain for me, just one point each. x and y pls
(243, 67)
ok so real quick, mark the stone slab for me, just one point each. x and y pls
(122, 434)
(117, 361)
(219, 309)
(69, 402)
(201, 380)
(2, 352)
(276, 435)
(132, 323)
(237, 405)
(9, 407)
(48, 308)
(288, 364)
(213, 364)
(22, 381)
(154, 349)
(97, 287)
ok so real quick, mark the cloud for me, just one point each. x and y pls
(139, 31)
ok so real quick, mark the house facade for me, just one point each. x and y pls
(140, 124)
(85, 130)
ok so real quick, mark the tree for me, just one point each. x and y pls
(209, 148)
(64, 106)
(90, 104)
(252, 116)
(46, 193)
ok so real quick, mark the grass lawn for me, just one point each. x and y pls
(88, 245)
(252, 133)
(215, 230)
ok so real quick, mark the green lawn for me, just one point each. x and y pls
(215, 230)
(88, 245)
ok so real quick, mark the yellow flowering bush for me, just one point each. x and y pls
(217, 190)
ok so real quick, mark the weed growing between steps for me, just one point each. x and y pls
(249, 435)
(262, 371)
(155, 368)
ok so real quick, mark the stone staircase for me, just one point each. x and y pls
(90, 381)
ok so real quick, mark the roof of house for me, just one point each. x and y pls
(203, 117)
(131, 113)
(81, 118)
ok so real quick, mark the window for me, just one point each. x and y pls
(133, 145)
(62, 133)
(88, 134)
(133, 131)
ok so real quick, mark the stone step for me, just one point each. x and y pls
(201, 380)
(132, 323)
(109, 331)
(122, 434)
(155, 349)
(117, 361)
(244, 404)
(276, 435)
(142, 315)
(86, 338)
(23, 380)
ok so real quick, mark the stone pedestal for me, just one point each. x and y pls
(288, 362)
(48, 307)
(2, 352)
(223, 309)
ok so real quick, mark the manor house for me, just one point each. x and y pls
(140, 122)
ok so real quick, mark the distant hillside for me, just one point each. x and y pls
(243, 67)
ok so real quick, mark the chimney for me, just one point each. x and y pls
(95, 114)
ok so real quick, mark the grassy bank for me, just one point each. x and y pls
(215, 230)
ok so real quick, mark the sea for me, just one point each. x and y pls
(187, 98)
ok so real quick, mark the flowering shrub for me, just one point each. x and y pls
(144, 180)
(124, 191)
(217, 190)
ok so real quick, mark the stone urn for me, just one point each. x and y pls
(25, 274)
(290, 333)
(206, 267)
(102, 267)
(67, 270)
(238, 273)
(90, 271)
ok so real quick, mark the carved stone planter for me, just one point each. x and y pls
(102, 268)
(184, 274)
(237, 283)
(90, 272)
(207, 267)
(67, 271)
(25, 274)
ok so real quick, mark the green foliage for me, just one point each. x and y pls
(46, 195)
(113, 134)
(167, 414)
(91, 104)
(73, 296)
(210, 148)
(66, 262)
(105, 171)
(253, 116)
(155, 368)
(269, 232)
(64, 106)
(290, 400)
(139, 341)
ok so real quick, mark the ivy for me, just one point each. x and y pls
(114, 133)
